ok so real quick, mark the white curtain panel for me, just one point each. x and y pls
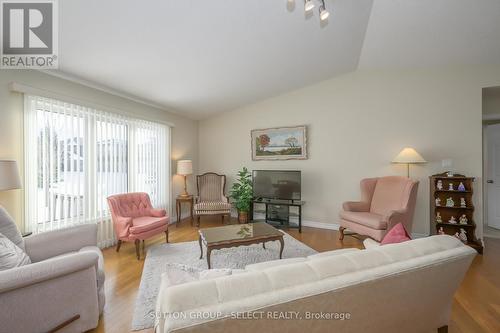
(75, 157)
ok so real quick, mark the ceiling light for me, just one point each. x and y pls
(323, 13)
(308, 5)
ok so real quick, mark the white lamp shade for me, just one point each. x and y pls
(410, 156)
(9, 175)
(184, 167)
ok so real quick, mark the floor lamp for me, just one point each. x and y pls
(409, 156)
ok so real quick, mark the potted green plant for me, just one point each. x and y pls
(241, 193)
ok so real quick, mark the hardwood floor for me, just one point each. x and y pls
(476, 307)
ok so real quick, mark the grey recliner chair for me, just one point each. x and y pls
(62, 288)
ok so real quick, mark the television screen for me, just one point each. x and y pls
(275, 184)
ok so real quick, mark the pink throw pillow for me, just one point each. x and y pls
(397, 234)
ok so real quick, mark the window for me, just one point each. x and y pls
(77, 156)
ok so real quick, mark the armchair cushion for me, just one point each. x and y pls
(371, 220)
(147, 223)
(11, 255)
(212, 206)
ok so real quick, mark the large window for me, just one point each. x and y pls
(77, 156)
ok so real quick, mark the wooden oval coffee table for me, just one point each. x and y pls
(238, 235)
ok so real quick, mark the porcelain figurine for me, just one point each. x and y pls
(439, 185)
(463, 204)
(441, 231)
(461, 187)
(438, 202)
(463, 219)
(450, 202)
(452, 220)
(463, 235)
(449, 174)
(450, 187)
(438, 218)
(457, 235)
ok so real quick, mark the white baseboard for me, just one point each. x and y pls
(321, 225)
(314, 224)
(335, 226)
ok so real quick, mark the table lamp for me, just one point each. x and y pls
(408, 156)
(9, 175)
(184, 168)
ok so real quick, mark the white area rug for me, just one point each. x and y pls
(188, 253)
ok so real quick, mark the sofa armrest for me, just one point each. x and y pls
(158, 212)
(356, 206)
(53, 243)
(46, 270)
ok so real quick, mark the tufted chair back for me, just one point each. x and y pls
(130, 205)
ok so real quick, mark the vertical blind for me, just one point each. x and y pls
(77, 156)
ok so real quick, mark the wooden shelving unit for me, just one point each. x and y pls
(455, 211)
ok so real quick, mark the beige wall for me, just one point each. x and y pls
(357, 123)
(184, 134)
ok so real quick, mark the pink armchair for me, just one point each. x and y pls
(135, 219)
(385, 202)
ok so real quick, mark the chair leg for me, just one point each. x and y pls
(222, 218)
(341, 230)
(166, 236)
(118, 246)
(198, 221)
(443, 329)
(143, 247)
(137, 249)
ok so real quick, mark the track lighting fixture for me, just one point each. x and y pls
(323, 13)
(309, 6)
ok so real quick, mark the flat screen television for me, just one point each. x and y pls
(276, 184)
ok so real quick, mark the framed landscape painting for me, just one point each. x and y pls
(282, 143)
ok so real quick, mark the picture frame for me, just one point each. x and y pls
(279, 143)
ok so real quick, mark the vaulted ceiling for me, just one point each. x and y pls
(202, 57)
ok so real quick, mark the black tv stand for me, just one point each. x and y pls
(284, 218)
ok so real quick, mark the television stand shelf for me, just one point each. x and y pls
(283, 220)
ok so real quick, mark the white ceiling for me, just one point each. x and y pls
(202, 57)
(428, 33)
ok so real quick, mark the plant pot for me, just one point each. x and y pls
(242, 217)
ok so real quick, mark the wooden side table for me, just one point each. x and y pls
(178, 205)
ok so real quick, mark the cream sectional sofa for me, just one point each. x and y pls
(406, 287)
